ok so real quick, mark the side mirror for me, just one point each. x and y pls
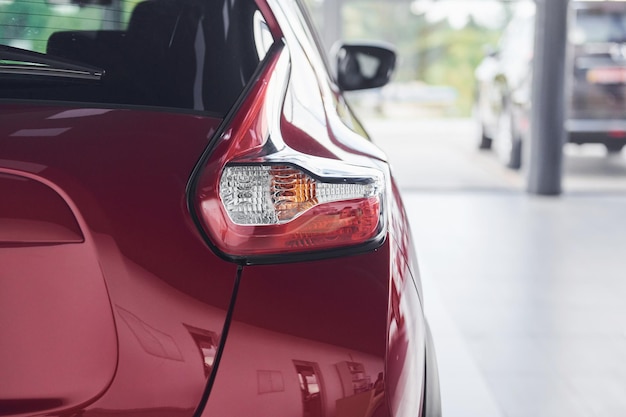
(363, 66)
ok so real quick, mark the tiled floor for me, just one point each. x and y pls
(532, 296)
(526, 296)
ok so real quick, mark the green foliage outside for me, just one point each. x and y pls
(29, 23)
(460, 53)
(433, 53)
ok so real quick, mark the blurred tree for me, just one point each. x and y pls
(455, 54)
(431, 52)
(29, 24)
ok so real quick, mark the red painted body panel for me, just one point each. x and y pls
(324, 313)
(58, 348)
(406, 350)
(34, 213)
(124, 175)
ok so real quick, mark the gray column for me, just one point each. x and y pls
(544, 154)
(332, 29)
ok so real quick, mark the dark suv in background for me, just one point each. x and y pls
(595, 91)
(598, 106)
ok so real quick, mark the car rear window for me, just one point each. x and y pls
(182, 54)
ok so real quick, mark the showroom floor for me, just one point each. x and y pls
(526, 299)
(524, 294)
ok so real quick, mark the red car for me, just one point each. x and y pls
(193, 222)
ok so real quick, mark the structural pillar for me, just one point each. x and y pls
(544, 156)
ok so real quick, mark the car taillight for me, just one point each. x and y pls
(255, 197)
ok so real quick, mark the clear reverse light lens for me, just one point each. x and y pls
(267, 195)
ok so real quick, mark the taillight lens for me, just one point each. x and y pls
(260, 209)
(257, 203)
(277, 194)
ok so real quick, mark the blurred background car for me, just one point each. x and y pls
(596, 73)
(598, 88)
(503, 81)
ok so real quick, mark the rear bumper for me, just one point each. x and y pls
(607, 131)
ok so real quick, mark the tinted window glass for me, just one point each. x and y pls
(599, 26)
(187, 54)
